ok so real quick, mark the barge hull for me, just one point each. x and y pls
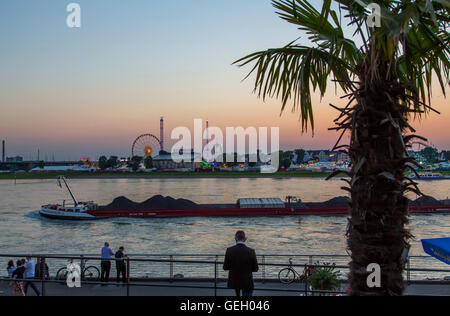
(237, 212)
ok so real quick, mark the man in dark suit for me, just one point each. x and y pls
(241, 262)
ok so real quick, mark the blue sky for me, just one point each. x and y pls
(89, 91)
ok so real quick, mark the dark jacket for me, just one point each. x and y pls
(241, 262)
(42, 271)
(120, 263)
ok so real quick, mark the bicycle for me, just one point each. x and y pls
(289, 275)
(91, 273)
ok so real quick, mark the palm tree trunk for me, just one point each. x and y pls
(379, 208)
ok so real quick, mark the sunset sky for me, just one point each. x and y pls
(93, 90)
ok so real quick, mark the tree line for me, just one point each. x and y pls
(134, 163)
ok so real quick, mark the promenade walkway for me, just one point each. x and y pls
(158, 289)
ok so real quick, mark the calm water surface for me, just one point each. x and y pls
(22, 230)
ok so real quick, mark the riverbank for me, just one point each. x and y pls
(159, 175)
(172, 175)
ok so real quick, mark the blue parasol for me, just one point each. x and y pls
(438, 248)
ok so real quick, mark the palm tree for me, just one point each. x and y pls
(386, 74)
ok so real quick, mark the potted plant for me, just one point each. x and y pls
(325, 278)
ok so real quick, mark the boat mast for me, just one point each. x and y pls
(68, 189)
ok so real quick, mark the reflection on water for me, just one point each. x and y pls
(22, 230)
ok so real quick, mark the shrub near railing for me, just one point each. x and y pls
(325, 278)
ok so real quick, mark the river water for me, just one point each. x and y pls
(22, 230)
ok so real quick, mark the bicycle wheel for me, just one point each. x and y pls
(91, 274)
(286, 276)
(61, 274)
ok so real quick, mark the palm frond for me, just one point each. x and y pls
(290, 72)
(413, 42)
(421, 46)
(323, 28)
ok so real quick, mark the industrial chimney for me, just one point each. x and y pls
(207, 132)
(161, 132)
(3, 151)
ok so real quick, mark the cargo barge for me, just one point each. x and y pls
(159, 206)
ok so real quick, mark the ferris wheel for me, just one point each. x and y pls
(146, 145)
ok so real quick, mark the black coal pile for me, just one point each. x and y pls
(120, 203)
(425, 201)
(157, 202)
(167, 203)
(337, 201)
(343, 201)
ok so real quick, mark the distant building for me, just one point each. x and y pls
(307, 157)
(325, 156)
(14, 159)
(165, 161)
(343, 157)
(417, 155)
(321, 155)
(76, 168)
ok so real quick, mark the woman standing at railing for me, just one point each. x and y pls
(18, 275)
(11, 268)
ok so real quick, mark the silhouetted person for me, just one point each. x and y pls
(42, 270)
(241, 262)
(106, 263)
(121, 266)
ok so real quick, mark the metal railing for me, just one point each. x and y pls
(414, 264)
(216, 263)
(265, 274)
(137, 260)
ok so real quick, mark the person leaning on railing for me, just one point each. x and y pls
(106, 263)
(11, 268)
(42, 270)
(121, 265)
